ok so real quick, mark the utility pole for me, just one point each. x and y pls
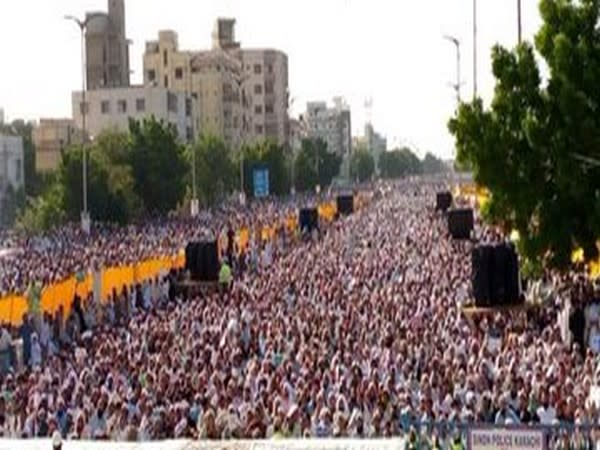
(519, 20)
(456, 43)
(82, 24)
(474, 49)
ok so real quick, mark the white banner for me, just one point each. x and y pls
(275, 444)
(506, 439)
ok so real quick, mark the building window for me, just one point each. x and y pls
(269, 108)
(270, 68)
(84, 108)
(189, 134)
(122, 106)
(165, 58)
(178, 73)
(171, 102)
(258, 129)
(188, 107)
(258, 88)
(151, 75)
(105, 107)
(258, 109)
(218, 68)
(140, 105)
(269, 87)
(257, 69)
(166, 81)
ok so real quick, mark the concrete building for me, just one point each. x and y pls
(298, 132)
(51, 137)
(1, 116)
(107, 48)
(266, 79)
(12, 169)
(241, 94)
(331, 124)
(112, 109)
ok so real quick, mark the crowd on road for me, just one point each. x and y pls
(355, 333)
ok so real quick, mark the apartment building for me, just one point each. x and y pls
(241, 94)
(107, 48)
(51, 137)
(112, 108)
(331, 124)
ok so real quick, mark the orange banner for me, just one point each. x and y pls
(12, 309)
(116, 278)
(57, 295)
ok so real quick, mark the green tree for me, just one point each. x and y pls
(399, 163)
(43, 212)
(537, 146)
(13, 202)
(215, 171)
(110, 186)
(315, 165)
(158, 163)
(362, 165)
(433, 164)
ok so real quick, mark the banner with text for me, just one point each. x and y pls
(506, 439)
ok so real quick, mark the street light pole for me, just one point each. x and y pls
(519, 20)
(456, 43)
(82, 24)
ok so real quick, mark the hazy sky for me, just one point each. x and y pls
(389, 50)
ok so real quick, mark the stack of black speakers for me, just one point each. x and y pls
(202, 261)
(345, 204)
(308, 219)
(443, 201)
(495, 275)
(460, 223)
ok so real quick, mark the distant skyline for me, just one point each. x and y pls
(390, 51)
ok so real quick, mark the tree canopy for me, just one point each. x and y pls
(215, 171)
(537, 147)
(315, 165)
(362, 165)
(399, 163)
(272, 156)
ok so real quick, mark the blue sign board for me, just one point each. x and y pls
(260, 177)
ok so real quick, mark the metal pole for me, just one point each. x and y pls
(83, 121)
(519, 20)
(458, 71)
(474, 49)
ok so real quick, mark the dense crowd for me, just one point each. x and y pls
(64, 251)
(356, 333)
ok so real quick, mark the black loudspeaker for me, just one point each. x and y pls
(202, 260)
(308, 219)
(495, 275)
(460, 223)
(191, 256)
(443, 201)
(481, 258)
(345, 204)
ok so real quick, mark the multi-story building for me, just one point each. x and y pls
(107, 48)
(241, 94)
(12, 172)
(112, 109)
(298, 132)
(51, 137)
(332, 125)
(1, 116)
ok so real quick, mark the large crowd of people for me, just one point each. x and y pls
(357, 332)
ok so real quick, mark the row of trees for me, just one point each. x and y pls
(537, 146)
(147, 172)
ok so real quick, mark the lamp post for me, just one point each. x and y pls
(474, 49)
(519, 21)
(456, 43)
(82, 24)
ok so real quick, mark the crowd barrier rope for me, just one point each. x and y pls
(61, 294)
